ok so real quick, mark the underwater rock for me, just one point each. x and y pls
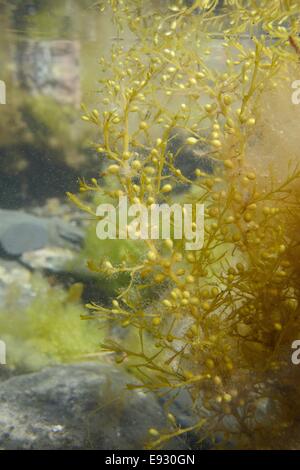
(50, 68)
(15, 282)
(83, 406)
(52, 259)
(21, 232)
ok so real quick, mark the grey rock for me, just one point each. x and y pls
(53, 259)
(21, 232)
(50, 68)
(15, 282)
(69, 233)
(82, 406)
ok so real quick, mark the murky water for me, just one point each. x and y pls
(49, 54)
(50, 63)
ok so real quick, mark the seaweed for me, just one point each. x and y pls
(224, 317)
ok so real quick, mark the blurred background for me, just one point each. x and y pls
(49, 63)
(49, 53)
(57, 391)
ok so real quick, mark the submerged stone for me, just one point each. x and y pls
(82, 406)
(21, 232)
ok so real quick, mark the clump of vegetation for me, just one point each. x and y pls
(117, 251)
(49, 329)
(224, 316)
